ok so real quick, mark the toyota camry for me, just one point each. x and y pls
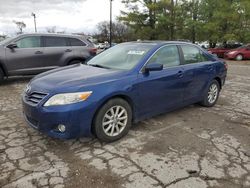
(124, 84)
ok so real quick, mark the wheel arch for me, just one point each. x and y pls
(218, 79)
(75, 59)
(2, 67)
(240, 53)
(121, 96)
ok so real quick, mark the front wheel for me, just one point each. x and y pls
(113, 120)
(212, 94)
(239, 57)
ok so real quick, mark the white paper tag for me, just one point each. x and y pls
(136, 52)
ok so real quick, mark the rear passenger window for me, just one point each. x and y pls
(193, 54)
(76, 42)
(55, 41)
(168, 56)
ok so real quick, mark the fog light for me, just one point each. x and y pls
(61, 128)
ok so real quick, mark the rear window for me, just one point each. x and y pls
(55, 41)
(76, 42)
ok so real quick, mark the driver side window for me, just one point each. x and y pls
(29, 42)
(168, 56)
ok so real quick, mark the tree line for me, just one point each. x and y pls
(195, 20)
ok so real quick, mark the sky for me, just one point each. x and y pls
(71, 16)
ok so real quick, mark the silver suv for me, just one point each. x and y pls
(30, 54)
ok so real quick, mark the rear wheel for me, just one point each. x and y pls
(239, 57)
(212, 94)
(113, 120)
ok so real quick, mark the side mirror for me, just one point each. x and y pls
(12, 45)
(153, 67)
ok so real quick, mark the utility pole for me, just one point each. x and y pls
(34, 15)
(110, 29)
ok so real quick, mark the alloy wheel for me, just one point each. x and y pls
(115, 121)
(213, 93)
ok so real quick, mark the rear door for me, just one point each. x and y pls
(80, 48)
(162, 90)
(26, 58)
(57, 51)
(198, 67)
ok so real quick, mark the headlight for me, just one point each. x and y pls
(67, 98)
(233, 52)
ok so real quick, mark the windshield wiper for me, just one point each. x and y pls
(99, 66)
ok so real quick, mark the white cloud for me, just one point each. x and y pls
(69, 15)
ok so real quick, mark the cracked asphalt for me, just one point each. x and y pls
(193, 147)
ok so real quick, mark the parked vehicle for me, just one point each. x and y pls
(101, 46)
(30, 54)
(204, 44)
(126, 83)
(222, 49)
(239, 54)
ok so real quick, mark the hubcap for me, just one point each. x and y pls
(212, 93)
(115, 120)
(239, 57)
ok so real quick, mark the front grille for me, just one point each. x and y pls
(35, 98)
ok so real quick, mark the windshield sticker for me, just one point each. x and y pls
(136, 52)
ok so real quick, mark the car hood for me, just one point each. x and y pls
(72, 78)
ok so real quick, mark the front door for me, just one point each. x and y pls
(160, 91)
(26, 58)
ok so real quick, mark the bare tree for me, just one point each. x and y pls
(20, 25)
(120, 31)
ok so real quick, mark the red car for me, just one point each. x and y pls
(221, 50)
(239, 54)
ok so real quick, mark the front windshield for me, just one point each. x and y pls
(123, 56)
(5, 41)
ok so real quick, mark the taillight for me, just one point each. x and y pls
(93, 51)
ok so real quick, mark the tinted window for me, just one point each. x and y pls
(55, 41)
(76, 42)
(193, 54)
(29, 42)
(168, 56)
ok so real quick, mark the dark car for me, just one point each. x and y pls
(221, 50)
(126, 83)
(30, 54)
(239, 54)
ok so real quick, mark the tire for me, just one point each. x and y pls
(212, 94)
(108, 127)
(1, 75)
(239, 57)
(73, 62)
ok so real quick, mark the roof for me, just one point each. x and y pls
(51, 34)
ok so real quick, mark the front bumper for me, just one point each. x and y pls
(76, 117)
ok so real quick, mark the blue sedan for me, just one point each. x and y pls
(124, 84)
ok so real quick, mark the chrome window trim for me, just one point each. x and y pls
(177, 45)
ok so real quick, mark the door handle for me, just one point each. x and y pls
(180, 74)
(38, 52)
(68, 50)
